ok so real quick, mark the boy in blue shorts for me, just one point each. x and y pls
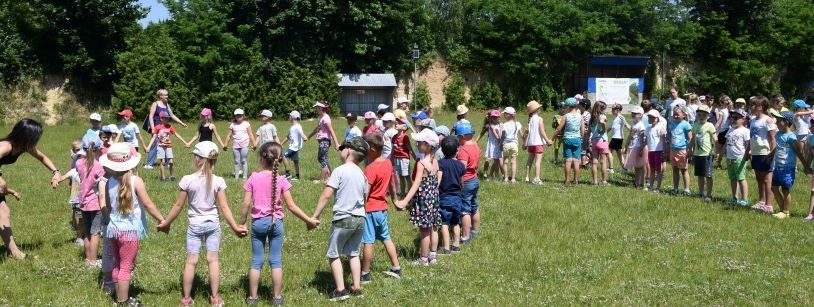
(786, 153)
(450, 193)
(379, 173)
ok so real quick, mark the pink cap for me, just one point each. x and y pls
(494, 113)
(370, 115)
(206, 112)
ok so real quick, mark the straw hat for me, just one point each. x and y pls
(532, 106)
(461, 110)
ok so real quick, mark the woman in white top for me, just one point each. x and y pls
(722, 126)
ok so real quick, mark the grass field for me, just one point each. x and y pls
(540, 245)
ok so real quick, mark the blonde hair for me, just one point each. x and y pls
(90, 157)
(125, 197)
(161, 92)
(206, 165)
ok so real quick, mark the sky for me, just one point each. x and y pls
(157, 12)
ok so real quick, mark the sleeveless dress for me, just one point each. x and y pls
(157, 114)
(424, 210)
(494, 150)
(205, 132)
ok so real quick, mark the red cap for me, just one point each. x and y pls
(126, 112)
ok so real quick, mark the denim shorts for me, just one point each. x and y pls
(345, 237)
(401, 166)
(267, 230)
(207, 234)
(450, 209)
(703, 166)
(376, 227)
(93, 223)
(572, 148)
(469, 205)
(293, 155)
(762, 164)
(783, 178)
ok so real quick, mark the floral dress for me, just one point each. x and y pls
(424, 210)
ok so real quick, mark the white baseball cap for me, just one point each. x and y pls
(636, 110)
(294, 114)
(383, 107)
(653, 113)
(388, 117)
(239, 111)
(204, 149)
(266, 113)
(403, 99)
(426, 135)
(509, 110)
(320, 104)
(112, 128)
(95, 116)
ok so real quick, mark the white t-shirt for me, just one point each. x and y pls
(130, 133)
(295, 137)
(350, 184)
(735, 142)
(202, 206)
(266, 133)
(511, 132)
(802, 123)
(655, 136)
(75, 181)
(352, 133)
(534, 138)
(759, 128)
(387, 138)
(380, 124)
(691, 112)
(636, 132)
(723, 118)
(618, 127)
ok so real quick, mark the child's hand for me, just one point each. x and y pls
(400, 205)
(13, 193)
(163, 227)
(186, 145)
(312, 223)
(254, 147)
(225, 147)
(241, 231)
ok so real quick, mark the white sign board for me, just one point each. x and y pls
(617, 90)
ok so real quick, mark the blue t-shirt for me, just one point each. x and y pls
(679, 133)
(451, 180)
(784, 156)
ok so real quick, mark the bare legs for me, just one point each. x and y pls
(6, 233)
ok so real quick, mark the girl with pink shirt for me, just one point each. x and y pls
(90, 171)
(324, 134)
(265, 192)
(203, 189)
(240, 132)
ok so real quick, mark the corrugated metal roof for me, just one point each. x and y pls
(367, 80)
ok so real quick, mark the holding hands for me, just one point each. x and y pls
(312, 223)
(164, 226)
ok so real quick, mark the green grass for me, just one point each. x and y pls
(540, 245)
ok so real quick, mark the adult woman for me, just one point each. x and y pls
(160, 105)
(22, 138)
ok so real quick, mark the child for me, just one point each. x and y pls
(494, 146)
(370, 123)
(295, 138)
(722, 126)
(555, 122)
(636, 148)
(95, 124)
(90, 170)
(785, 165)
(265, 193)
(655, 134)
(511, 135)
(701, 151)
(680, 136)
(469, 154)
(206, 129)
(460, 115)
(349, 184)
(124, 211)
(762, 144)
(352, 131)
(808, 169)
(324, 133)
(240, 132)
(108, 135)
(267, 132)
(442, 132)
(73, 200)
(802, 117)
(450, 190)
(484, 129)
(162, 134)
(128, 130)
(378, 173)
(536, 138)
(424, 210)
(737, 140)
(401, 154)
(599, 142)
(389, 132)
(571, 129)
(617, 128)
(203, 189)
(584, 106)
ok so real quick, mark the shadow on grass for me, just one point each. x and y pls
(323, 281)
(24, 247)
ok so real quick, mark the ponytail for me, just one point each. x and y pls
(270, 156)
(125, 197)
(90, 157)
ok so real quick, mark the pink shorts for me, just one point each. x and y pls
(655, 159)
(535, 149)
(678, 158)
(600, 146)
(633, 159)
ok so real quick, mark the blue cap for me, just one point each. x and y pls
(785, 115)
(570, 102)
(801, 104)
(463, 129)
(419, 115)
(89, 139)
(442, 130)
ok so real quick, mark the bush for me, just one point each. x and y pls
(422, 95)
(487, 96)
(454, 92)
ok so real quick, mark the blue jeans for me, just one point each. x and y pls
(151, 154)
(470, 196)
(267, 229)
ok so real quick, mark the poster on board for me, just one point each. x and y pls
(617, 90)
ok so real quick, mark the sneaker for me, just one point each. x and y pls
(474, 234)
(296, 178)
(767, 209)
(781, 215)
(357, 293)
(251, 301)
(365, 279)
(148, 167)
(216, 301)
(645, 189)
(109, 288)
(79, 242)
(743, 203)
(338, 295)
(432, 260)
(657, 191)
(687, 193)
(278, 301)
(611, 171)
(464, 241)
(708, 199)
(537, 182)
(162, 179)
(455, 249)
(186, 301)
(421, 262)
(172, 178)
(757, 206)
(130, 302)
(395, 273)
(674, 192)
(444, 251)
(287, 175)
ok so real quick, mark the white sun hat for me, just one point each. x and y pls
(266, 113)
(204, 149)
(426, 135)
(120, 157)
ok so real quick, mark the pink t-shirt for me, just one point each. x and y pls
(259, 184)
(88, 199)
(324, 122)
(202, 202)
(240, 134)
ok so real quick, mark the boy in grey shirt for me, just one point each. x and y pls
(349, 184)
